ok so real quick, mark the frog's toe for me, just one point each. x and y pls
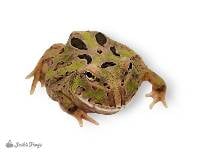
(157, 97)
(149, 95)
(36, 74)
(155, 101)
(80, 115)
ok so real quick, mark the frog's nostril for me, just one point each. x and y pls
(99, 51)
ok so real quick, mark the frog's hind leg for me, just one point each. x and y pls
(158, 88)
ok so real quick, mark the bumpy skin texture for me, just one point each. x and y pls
(93, 73)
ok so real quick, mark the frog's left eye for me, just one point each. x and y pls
(89, 76)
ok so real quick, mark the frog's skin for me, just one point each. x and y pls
(94, 74)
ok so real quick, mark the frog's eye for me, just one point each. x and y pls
(89, 76)
(78, 43)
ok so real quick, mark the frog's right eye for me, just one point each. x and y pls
(89, 76)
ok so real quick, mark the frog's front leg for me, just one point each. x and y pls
(158, 88)
(77, 113)
(43, 64)
(80, 115)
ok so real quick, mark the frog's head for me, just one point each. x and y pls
(108, 76)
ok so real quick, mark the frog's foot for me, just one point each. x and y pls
(80, 115)
(36, 73)
(158, 88)
(157, 97)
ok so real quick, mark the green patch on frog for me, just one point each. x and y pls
(77, 81)
(61, 71)
(131, 86)
(98, 95)
(91, 43)
(126, 53)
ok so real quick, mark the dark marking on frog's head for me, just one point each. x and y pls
(78, 43)
(107, 64)
(100, 38)
(113, 50)
(99, 51)
(130, 66)
(87, 57)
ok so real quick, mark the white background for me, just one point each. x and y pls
(165, 33)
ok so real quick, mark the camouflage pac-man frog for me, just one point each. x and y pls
(94, 74)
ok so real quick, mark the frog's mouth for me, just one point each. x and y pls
(102, 109)
(112, 101)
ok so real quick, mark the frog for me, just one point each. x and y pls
(93, 73)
